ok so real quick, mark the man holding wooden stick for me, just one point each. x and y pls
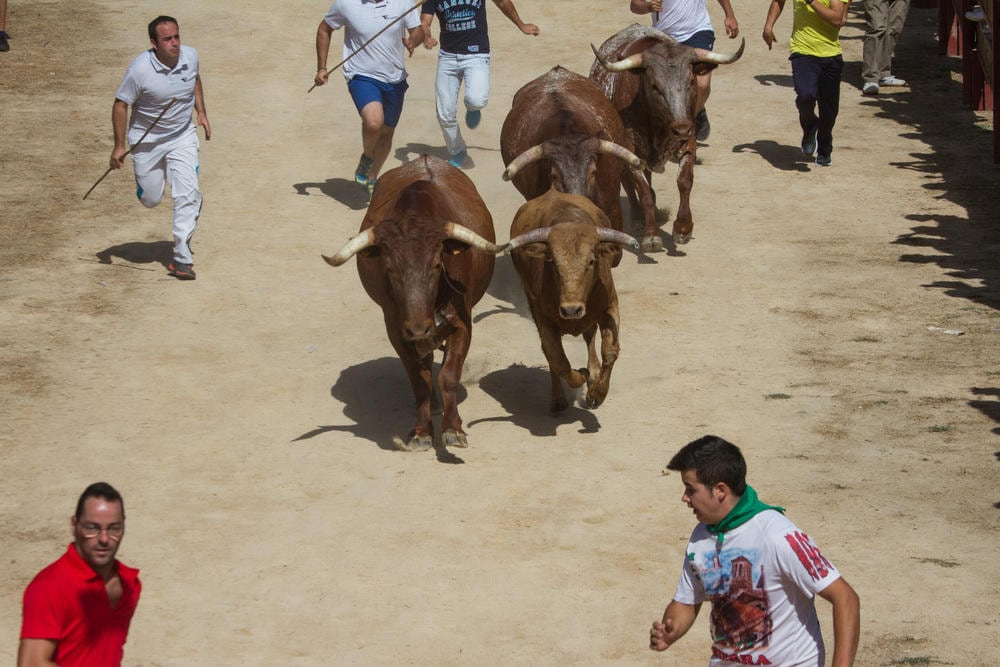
(376, 32)
(163, 87)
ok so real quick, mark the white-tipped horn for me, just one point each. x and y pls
(453, 230)
(631, 62)
(614, 236)
(533, 154)
(540, 235)
(706, 56)
(355, 245)
(619, 151)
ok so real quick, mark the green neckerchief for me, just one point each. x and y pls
(747, 508)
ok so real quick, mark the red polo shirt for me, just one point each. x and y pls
(67, 603)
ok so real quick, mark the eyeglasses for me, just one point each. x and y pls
(90, 531)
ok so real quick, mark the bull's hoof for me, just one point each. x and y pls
(595, 397)
(417, 442)
(454, 439)
(681, 239)
(652, 244)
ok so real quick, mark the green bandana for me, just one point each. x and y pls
(747, 508)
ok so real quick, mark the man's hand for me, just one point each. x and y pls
(662, 635)
(732, 28)
(321, 77)
(429, 42)
(769, 36)
(118, 157)
(530, 29)
(203, 122)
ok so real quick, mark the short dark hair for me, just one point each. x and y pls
(157, 21)
(99, 490)
(713, 460)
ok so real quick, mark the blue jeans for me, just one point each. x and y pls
(817, 86)
(452, 69)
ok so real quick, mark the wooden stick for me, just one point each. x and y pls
(152, 125)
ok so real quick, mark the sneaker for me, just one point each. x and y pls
(809, 142)
(361, 173)
(472, 118)
(976, 14)
(870, 88)
(4, 46)
(704, 128)
(890, 80)
(458, 159)
(823, 160)
(181, 271)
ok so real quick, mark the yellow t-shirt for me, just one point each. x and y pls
(811, 35)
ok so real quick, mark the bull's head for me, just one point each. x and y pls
(667, 72)
(413, 250)
(574, 161)
(580, 255)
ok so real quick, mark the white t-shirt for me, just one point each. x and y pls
(148, 87)
(682, 18)
(762, 586)
(361, 19)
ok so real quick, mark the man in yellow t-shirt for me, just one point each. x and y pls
(817, 63)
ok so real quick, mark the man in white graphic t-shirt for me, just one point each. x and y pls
(759, 571)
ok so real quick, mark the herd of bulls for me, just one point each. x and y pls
(426, 248)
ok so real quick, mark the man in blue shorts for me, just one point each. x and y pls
(687, 21)
(376, 77)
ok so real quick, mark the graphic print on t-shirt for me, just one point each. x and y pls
(734, 582)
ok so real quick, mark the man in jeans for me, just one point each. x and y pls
(885, 24)
(464, 56)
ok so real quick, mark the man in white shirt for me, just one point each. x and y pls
(163, 87)
(376, 76)
(760, 572)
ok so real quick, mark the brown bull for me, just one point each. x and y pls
(650, 79)
(563, 249)
(563, 132)
(425, 255)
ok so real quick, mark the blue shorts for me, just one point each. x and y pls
(365, 90)
(702, 40)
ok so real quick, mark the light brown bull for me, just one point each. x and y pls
(563, 247)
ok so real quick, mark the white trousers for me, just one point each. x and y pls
(174, 161)
(452, 70)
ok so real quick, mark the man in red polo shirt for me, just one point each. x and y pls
(78, 609)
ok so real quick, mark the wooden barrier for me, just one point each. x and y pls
(974, 42)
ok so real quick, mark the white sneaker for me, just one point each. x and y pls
(891, 81)
(870, 88)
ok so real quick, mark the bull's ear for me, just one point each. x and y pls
(703, 68)
(371, 252)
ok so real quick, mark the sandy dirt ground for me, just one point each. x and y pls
(248, 417)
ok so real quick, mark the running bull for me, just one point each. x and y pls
(563, 248)
(650, 80)
(562, 131)
(425, 255)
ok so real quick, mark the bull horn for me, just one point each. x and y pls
(453, 230)
(355, 245)
(631, 62)
(619, 151)
(614, 236)
(540, 235)
(533, 154)
(706, 56)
